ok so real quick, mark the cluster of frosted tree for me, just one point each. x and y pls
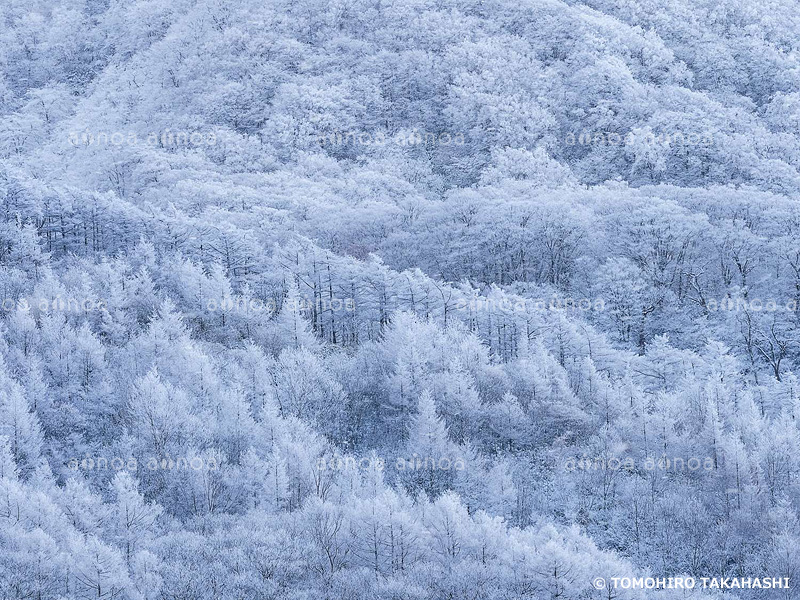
(281, 365)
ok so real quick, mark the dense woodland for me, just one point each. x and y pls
(532, 273)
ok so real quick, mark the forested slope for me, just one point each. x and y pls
(355, 299)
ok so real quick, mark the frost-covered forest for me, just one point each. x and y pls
(398, 300)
